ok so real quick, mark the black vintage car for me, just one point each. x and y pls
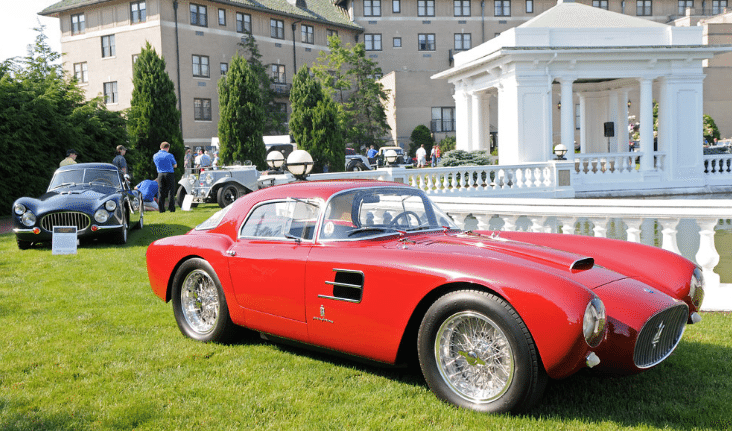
(94, 197)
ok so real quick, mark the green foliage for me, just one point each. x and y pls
(275, 118)
(421, 135)
(315, 123)
(465, 158)
(153, 116)
(710, 129)
(241, 115)
(42, 114)
(447, 144)
(348, 76)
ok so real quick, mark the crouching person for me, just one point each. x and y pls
(149, 190)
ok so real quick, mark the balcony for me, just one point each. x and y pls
(281, 88)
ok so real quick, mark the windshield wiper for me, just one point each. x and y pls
(63, 185)
(370, 229)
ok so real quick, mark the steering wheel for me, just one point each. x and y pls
(405, 215)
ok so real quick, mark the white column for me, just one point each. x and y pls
(583, 124)
(478, 121)
(462, 118)
(612, 110)
(567, 115)
(646, 124)
(622, 132)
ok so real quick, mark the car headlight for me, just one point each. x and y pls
(593, 324)
(209, 179)
(191, 180)
(110, 205)
(101, 216)
(696, 288)
(28, 219)
(19, 209)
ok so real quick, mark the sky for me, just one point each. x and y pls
(17, 21)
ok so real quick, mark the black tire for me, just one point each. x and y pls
(141, 222)
(356, 166)
(226, 195)
(180, 195)
(23, 245)
(121, 236)
(199, 303)
(484, 325)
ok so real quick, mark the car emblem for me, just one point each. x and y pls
(322, 311)
(657, 337)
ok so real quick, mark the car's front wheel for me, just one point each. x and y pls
(180, 195)
(476, 352)
(199, 303)
(121, 236)
(23, 245)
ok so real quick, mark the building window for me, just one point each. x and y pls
(224, 68)
(372, 42)
(110, 92)
(200, 66)
(426, 7)
(426, 42)
(202, 109)
(78, 24)
(462, 41)
(718, 6)
(134, 58)
(108, 46)
(222, 17)
(277, 28)
(643, 8)
(371, 7)
(685, 4)
(397, 42)
(330, 33)
(602, 4)
(443, 120)
(461, 7)
(308, 35)
(396, 6)
(529, 6)
(138, 12)
(198, 15)
(278, 73)
(243, 22)
(502, 8)
(81, 73)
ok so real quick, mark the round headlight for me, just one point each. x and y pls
(28, 219)
(19, 209)
(101, 216)
(593, 324)
(696, 288)
(191, 180)
(110, 205)
(209, 179)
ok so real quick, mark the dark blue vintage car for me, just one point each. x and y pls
(94, 197)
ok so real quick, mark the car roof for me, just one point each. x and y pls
(77, 166)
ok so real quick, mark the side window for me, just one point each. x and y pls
(292, 219)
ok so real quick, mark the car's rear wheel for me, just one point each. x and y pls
(23, 245)
(227, 195)
(199, 303)
(476, 352)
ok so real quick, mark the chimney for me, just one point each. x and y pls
(298, 3)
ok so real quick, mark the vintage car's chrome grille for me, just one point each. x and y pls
(66, 218)
(660, 336)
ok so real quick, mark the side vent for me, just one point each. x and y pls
(347, 286)
(582, 264)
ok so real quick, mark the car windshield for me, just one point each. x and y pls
(371, 212)
(105, 177)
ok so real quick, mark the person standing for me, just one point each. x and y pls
(70, 158)
(188, 162)
(204, 160)
(165, 164)
(120, 160)
(421, 156)
(433, 155)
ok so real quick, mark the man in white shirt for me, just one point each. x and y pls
(421, 156)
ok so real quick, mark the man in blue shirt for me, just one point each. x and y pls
(165, 164)
(371, 153)
(149, 190)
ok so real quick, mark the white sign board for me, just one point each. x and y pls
(187, 201)
(63, 240)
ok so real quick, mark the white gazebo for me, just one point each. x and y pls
(582, 62)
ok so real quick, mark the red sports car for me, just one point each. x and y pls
(376, 270)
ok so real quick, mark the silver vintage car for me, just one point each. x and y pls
(222, 185)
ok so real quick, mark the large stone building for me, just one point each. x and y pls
(411, 41)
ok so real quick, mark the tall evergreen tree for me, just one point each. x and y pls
(275, 117)
(315, 123)
(351, 78)
(241, 121)
(152, 117)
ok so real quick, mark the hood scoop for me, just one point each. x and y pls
(582, 264)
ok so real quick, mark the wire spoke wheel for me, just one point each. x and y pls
(474, 357)
(199, 299)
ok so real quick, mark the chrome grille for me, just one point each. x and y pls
(66, 218)
(660, 336)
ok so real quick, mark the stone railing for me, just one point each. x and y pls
(718, 169)
(665, 223)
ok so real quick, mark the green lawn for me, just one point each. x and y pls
(86, 345)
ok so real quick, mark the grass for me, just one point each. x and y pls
(87, 346)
